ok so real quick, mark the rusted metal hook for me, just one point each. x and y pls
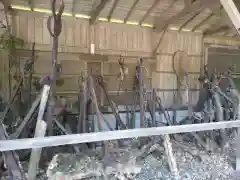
(57, 21)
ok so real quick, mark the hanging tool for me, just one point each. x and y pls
(56, 67)
(119, 122)
(123, 73)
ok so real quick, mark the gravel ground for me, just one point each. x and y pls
(213, 166)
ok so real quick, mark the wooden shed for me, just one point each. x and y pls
(95, 33)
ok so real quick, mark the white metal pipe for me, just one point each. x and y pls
(110, 135)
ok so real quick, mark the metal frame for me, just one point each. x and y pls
(28, 143)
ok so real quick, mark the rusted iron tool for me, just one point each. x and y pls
(57, 29)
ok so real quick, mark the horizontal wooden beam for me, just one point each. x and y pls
(131, 11)
(160, 25)
(40, 142)
(95, 12)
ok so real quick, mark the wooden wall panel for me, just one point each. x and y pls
(219, 40)
(32, 27)
(121, 37)
(109, 38)
(69, 84)
(164, 78)
(112, 84)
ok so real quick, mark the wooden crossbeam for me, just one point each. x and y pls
(112, 9)
(154, 5)
(95, 12)
(131, 11)
(195, 7)
(189, 20)
(219, 29)
(205, 20)
(40, 142)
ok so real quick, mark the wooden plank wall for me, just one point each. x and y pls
(164, 77)
(110, 39)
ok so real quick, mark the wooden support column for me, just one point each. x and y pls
(141, 94)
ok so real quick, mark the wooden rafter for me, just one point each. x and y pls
(219, 29)
(202, 22)
(189, 20)
(74, 2)
(131, 11)
(112, 9)
(149, 11)
(195, 7)
(96, 11)
(226, 33)
(31, 4)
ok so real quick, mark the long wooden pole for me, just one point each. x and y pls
(50, 141)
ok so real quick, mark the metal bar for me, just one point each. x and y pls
(31, 71)
(119, 122)
(50, 141)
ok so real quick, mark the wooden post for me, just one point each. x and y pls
(40, 131)
(154, 99)
(82, 124)
(141, 93)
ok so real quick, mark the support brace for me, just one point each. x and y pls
(233, 13)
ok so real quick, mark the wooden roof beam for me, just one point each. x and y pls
(31, 4)
(195, 7)
(188, 3)
(219, 29)
(149, 11)
(205, 20)
(74, 2)
(189, 20)
(96, 11)
(131, 11)
(112, 9)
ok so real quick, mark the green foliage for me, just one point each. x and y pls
(10, 43)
